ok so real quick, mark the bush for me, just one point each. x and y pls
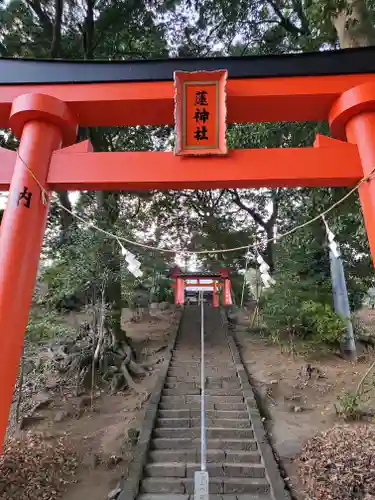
(46, 325)
(349, 405)
(297, 307)
(321, 323)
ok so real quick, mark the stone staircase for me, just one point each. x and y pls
(235, 466)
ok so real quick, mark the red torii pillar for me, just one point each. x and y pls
(352, 117)
(44, 124)
(227, 295)
(215, 296)
(179, 288)
(180, 291)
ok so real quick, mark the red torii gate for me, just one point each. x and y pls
(180, 284)
(43, 102)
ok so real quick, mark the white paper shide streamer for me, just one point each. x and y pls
(333, 245)
(265, 276)
(133, 264)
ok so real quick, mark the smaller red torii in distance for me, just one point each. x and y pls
(180, 278)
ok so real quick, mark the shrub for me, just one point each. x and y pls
(46, 325)
(296, 307)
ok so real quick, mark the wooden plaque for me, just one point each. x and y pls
(200, 113)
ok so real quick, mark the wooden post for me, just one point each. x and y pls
(44, 124)
(353, 117)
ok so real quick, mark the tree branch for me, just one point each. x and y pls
(284, 21)
(42, 16)
(298, 8)
(219, 198)
(276, 194)
(254, 214)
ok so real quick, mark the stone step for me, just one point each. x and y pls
(197, 398)
(211, 433)
(210, 422)
(224, 367)
(195, 375)
(209, 392)
(215, 360)
(209, 363)
(188, 413)
(194, 347)
(176, 496)
(216, 485)
(212, 444)
(209, 380)
(214, 469)
(184, 387)
(210, 405)
(185, 456)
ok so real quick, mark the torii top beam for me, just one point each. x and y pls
(297, 87)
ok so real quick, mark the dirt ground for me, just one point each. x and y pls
(103, 436)
(299, 407)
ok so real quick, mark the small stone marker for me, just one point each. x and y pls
(201, 485)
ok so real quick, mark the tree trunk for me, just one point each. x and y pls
(108, 202)
(66, 219)
(353, 25)
(269, 253)
(88, 35)
(56, 40)
(267, 225)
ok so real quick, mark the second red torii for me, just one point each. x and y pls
(181, 277)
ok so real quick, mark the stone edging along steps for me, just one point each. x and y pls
(278, 487)
(240, 461)
(131, 485)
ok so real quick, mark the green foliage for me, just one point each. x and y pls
(321, 322)
(77, 272)
(45, 325)
(164, 291)
(349, 405)
(300, 303)
(310, 320)
(288, 308)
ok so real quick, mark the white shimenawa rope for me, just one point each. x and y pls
(47, 196)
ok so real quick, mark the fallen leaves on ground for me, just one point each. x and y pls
(35, 468)
(339, 464)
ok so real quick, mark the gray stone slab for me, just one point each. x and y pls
(244, 470)
(211, 432)
(163, 497)
(162, 485)
(238, 456)
(174, 456)
(166, 469)
(245, 485)
(174, 422)
(222, 422)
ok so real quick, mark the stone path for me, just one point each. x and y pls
(235, 463)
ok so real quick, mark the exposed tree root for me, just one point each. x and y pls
(112, 365)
